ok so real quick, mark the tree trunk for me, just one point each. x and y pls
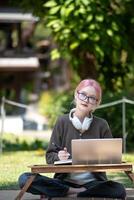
(87, 68)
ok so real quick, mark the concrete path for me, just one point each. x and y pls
(11, 194)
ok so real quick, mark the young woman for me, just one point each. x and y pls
(80, 123)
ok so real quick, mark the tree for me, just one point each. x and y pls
(96, 36)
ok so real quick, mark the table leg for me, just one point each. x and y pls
(25, 187)
(130, 174)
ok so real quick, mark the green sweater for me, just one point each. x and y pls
(64, 132)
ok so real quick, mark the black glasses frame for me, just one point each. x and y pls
(90, 99)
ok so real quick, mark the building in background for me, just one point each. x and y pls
(18, 60)
(25, 67)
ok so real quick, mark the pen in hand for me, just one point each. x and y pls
(62, 152)
(58, 148)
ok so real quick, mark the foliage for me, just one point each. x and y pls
(15, 143)
(52, 104)
(99, 28)
(96, 36)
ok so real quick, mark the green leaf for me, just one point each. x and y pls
(62, 11)
(74, 45)
(92, 27)
(57, 27)
(99, 50)
(66, 31)
(53, 22)
(82, 10)
(54, 10)
(69, 10)
(83, 36)
(85, 2)
(67, 2)
(109, 32)
(89, 18)
(99, 18)
(117, 40)
(50, 4)
(76, 13)
(95, 37)
(55, 54)
(115, 26)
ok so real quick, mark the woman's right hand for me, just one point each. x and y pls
(63, 154)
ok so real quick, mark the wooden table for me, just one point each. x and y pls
(124, 167)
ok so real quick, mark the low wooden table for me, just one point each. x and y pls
(124, 167)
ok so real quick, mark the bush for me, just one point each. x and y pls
(12, 142)
(53, 104)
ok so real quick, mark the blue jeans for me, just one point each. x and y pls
(53, 187)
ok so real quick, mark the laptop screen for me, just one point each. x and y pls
(97, 151)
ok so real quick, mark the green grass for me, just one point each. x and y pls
(12, 164)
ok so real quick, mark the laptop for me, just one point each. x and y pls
(97, 151)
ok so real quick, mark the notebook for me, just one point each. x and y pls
(97, 151)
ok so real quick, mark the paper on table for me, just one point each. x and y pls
(63, 162)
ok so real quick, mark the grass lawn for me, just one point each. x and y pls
(12, 164)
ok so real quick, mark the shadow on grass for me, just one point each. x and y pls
(122, 178)
(9, 185)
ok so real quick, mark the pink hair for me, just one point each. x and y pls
(91, 83)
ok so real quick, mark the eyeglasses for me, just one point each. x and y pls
(89, 99)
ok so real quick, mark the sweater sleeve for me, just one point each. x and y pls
(56, 138)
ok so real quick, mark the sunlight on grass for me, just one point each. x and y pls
(128, 157)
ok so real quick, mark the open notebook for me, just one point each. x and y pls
(63, 162)
(95, 151)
